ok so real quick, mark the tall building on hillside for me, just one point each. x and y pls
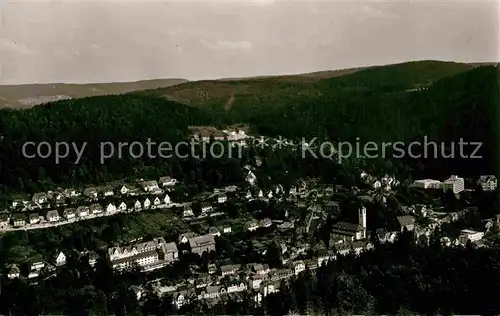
(362, 219)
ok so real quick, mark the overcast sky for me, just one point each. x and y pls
(84, 41)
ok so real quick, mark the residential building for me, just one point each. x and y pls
(147, 203)
(488, 183)
(53, 216)
(19, 220)
(13, 272)
(69, 213)
(122, 207)
(206, 208)
(467, 234)
(187, 212)
(214, 231)
(427, 184)
(127, 189)
(137, 205)
(167, 181)
(454, 184)
(34, 218)
(111, 208)
(150, 186)
(146, 254)
(184, 238)
(222, 198)
(60, 259)
(200, 244)
(166, 199)
(40, 198)
(230, 269)
(406, 222)
(297, 266)
(4, 220)
(36, 263)
(91, 193)
(251, 178)
(96, 209)
(156, 201)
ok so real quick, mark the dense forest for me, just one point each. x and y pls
(405, 102)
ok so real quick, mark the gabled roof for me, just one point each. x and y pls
(348, 227)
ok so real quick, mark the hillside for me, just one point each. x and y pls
(288, 89)
(378, 105)
(25, 96)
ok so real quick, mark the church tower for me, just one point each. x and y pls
(362, 219)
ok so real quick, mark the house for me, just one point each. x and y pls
(260, 195)
(214, 231)
(53, 216)
(34, 218)
(147, 203)
(167, 181)
(36, 263)
(95, 209)
(111, 208)
(137, 205)
(259, 268)
(222, 198)
(488, 183)
(236, 287)
(205, 208)
(4, 220)
(13, 271)
(56, 196)
(470, 235)
(385, 236)
(248, 196)
(293, 190)
(19, 220)
(138, 291)
(40, 198)
(82, 211)
(406, 222)
(352, 231)
(226, 229)
(270, 194)
(150, 186)
(60, 259)
(187, 212)
(166, 199)
(182, 298)
(229, 269)
(212, 268)
(251, 178)
(126, 189)
(122, 207)
(331, 207)
(91, 193)
(266, 222)
(200, 244)
(169, 252)
(107, 191)
(252, 225)
(156, 201)
(298, 266)
(93, 257)
(256, 280)
(69, 213)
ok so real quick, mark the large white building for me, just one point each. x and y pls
(143, 254)
(467, 234)
(454, 183)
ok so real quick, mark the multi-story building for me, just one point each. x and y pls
(144, 254)
(488, 183)
(454, 184)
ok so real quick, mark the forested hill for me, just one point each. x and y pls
(404, 102)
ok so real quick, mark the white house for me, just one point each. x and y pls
(147, 203)
(167, 181)
(467, 234)
(248, 196)
(82, 211)
(40, 198)
(270, 194)
(53, 216)
(156, 201)
(298, 266)
(260, 194)
(126, 189)
(60, 259)
(122, 207)
(137, 205)
(96, 209)
(150, 186)
(251, 178)
(111, 208)
(427, 184)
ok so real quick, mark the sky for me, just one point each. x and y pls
(106, 41)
